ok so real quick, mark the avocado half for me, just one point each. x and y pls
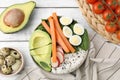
(41, 48)
(26, 8)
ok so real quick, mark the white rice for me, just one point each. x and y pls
(72, 62)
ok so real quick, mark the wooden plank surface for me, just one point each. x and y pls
(44, 8)
(35, 20)
(42, 3)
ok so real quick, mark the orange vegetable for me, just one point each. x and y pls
(61, 43)
(46, 27)
(59, 39)
(58, 27)
(53, 36)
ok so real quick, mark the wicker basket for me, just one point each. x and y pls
(96, 22)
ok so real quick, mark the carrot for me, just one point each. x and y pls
(53, 36)
(61, 43)
(59, 39)
(46, 27)
(58, 27)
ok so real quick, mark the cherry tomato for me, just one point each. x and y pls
(112, 3)
(118, 22)
(118, 2)
(117, 10)
(98, 7)
(91, 1)
(111, 27)
(108, 15)
(118, 35)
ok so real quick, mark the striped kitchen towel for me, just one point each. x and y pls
(103, 64)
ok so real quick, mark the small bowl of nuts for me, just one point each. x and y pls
(11, 61)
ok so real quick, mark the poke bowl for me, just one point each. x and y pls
(59, 45)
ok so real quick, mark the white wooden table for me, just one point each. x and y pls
(44, 8)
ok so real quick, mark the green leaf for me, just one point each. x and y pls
(100, 6)
(85, 41)
(114, 2)
(40, 27)
(72, 25)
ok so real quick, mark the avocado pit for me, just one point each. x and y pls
(14, 17)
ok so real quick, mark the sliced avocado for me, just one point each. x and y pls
(25, 9)
(42, 50)
(43, 62)
(39, 39)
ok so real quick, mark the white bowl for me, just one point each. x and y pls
(75, 67)
(20, 68)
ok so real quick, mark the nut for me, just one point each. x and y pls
(14, 17)
(5, 51)
(6, 70)
(10, 60)
(15, 54)
(16, 66)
